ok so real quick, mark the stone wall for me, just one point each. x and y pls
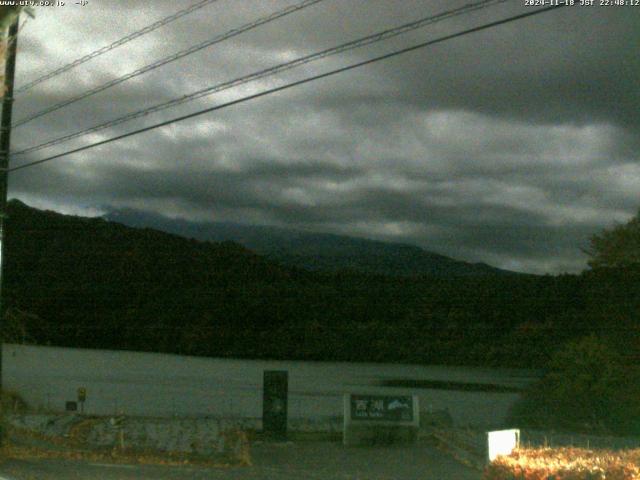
(203, 436)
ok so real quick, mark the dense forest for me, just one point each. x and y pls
(88, 282)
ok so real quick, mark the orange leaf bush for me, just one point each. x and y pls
(565, 464)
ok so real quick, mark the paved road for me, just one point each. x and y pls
(283, 461)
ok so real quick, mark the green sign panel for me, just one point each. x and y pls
(397, 408)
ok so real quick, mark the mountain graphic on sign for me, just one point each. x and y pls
(396, 404)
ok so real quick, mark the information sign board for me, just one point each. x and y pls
(381, 408)
(370, 419)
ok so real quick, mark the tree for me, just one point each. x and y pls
(15, 327)
(584, 377)
(586, 387)
(616, 247)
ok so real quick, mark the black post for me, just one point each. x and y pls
(5, 144)
(274, 404)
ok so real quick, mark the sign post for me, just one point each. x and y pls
(274, 403)
(82, 396)
(370, 419)
(118, 424)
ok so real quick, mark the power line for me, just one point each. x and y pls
(361, 42)
(116, 44)
(293, 84)
(171, 58)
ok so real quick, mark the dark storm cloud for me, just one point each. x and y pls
(570, 65)
(510, 146)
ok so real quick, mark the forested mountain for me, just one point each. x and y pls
(313, 251)
(83, 282)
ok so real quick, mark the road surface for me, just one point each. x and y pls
(272, 461)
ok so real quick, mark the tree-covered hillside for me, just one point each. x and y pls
(83, 282)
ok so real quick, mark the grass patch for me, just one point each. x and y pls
(116, 456)
(565, 464)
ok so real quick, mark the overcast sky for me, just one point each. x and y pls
(509, 146)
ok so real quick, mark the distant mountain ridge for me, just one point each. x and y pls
(313, 251)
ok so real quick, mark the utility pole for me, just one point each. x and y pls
(5, 144)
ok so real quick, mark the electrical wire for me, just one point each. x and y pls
(171, 58)
(116, 44)
(293, 84)
(361, 42)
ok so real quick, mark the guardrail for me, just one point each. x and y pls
(541, 438)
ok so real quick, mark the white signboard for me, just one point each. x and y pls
(502, 442)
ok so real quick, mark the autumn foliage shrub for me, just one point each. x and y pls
(565, 464)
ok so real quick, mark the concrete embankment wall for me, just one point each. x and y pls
(200, 435)
(205, 436)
